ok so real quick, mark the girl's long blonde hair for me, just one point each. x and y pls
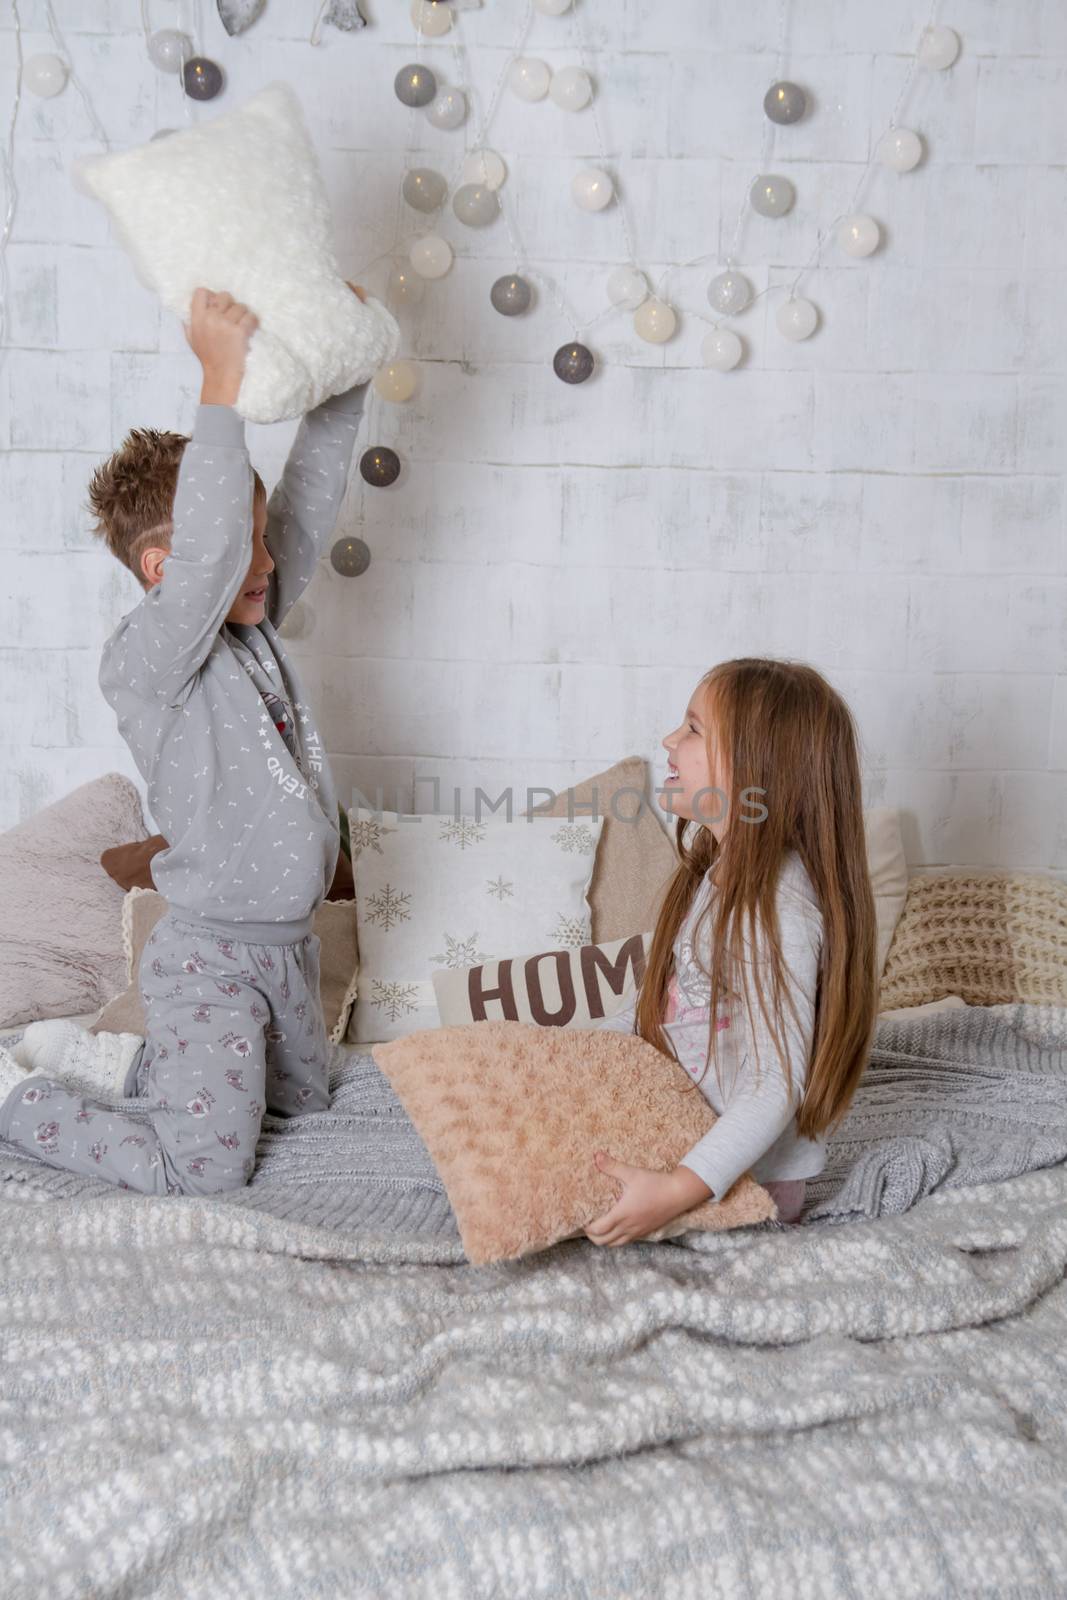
(788, 742)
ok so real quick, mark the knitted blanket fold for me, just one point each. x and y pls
(303, 1389)
(969, 1096)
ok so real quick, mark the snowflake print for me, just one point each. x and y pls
(462, 831)
(460, 952)
(501, 887)
(389, 907)
(570, 933)
(394, 998)
(367, 835)
(574, 838)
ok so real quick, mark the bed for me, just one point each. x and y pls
(304, 1389)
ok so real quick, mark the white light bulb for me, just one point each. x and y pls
(430, 255)
(939, 47)
(796, 319)
(44, 75)
(571, 88)
(592, 188)
(858, 235)
(447, 109)
(627, 288)
(396, 382)
(900, 150)
(655, 321)
(722, 349)
(484, 167)
(529, 78)
(431, 17)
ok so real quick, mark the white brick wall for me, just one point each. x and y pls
(556, 567)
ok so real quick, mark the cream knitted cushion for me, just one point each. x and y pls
(989, 937)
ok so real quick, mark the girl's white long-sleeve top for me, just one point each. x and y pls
(756, 1128)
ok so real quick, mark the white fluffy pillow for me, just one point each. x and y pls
(238, 204)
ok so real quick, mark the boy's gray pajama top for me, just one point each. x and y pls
(217, 721)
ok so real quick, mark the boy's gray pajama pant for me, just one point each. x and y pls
(232, 1029)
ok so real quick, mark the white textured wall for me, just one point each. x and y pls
(556, 566)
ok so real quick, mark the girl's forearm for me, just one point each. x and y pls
(690, 1187)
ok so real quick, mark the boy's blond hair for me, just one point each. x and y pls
(131, 494)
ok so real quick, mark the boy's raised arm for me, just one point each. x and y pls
(302, 511)
(171, 632)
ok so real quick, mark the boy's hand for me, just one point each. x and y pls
(218, 332)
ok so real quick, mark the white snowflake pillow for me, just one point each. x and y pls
(436, 891)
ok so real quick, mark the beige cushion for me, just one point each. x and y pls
(552, 989)
(989, 937)
(932, 1008)
(334, 922)
(889, 874)
(511, 1115)
(60, 933)
(635, 857)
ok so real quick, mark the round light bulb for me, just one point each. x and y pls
(571, 88)
(627, 288)
(448, 109)
(529, 78)
(858, 235)
(729, 293)
(655, 321)
(424, 189)
(938, 47)
(722, 349)
(484, 167)
(45, 75)
(168, 49)
(772, 195)
(431, 17)
(475, 206)
(900, 150)
(396, 382)
(592, 188)
(431, 256)
(796, 319)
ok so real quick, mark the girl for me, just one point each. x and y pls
(792, 873)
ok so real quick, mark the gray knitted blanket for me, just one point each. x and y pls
(304, 1390)
(969, 1096)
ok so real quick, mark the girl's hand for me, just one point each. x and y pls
(648, 1201)
(355, 288)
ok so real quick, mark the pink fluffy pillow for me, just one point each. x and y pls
(511, 1115)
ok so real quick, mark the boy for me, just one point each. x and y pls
(215, 716)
